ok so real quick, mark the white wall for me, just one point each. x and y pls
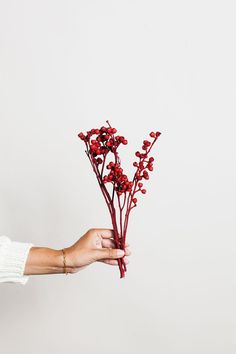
(67, 66)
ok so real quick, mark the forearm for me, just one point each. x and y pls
(43, 260)
(19, 260)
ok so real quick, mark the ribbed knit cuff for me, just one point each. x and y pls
(13, 256)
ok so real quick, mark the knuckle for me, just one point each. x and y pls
(92, 230)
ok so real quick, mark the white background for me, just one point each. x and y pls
(67, 66)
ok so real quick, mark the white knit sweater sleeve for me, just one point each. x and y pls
(13, 256)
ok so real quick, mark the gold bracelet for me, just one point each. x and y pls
(64, 261)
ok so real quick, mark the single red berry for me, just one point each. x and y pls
(135, 200)
(145, 175)
(140, 184)
(146, 142)
(114, 130)
(141, 165)
(81, 136)
(151, 159)
(125, 142)
(144, 191)
(99, 160)
(152, 135)
(137, 154)
(157, 134)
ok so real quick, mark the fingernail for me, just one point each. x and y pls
(120, 253)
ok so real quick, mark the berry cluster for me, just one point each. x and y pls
(145, 164)
(118, 179)
(103, 142)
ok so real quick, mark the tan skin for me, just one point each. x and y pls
(96, 245)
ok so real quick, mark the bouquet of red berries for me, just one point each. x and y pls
(119, 191)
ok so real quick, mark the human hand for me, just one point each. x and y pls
(94, 245)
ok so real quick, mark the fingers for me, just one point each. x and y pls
(113, 262)
(109, 243)
(104, 233)
(110, 256)
(127, 251)
(110, 253)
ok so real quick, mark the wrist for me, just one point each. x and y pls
(61, 263)
(42, 260)
(66, 260)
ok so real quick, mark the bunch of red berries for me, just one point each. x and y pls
(104, 142)
(145, 164)
(118, 178)
(99, 144)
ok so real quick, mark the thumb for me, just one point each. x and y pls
(109, 253)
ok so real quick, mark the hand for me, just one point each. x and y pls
(95, 245)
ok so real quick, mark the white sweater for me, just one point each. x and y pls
(13, 256)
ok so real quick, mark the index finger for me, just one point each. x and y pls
(105, 233)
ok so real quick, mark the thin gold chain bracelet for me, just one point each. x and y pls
(64, 262)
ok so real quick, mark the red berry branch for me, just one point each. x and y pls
(119, 192)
